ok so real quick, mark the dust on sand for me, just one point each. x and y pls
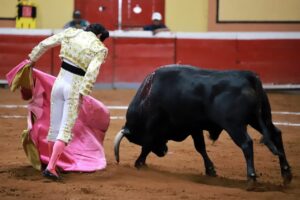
(178, 175)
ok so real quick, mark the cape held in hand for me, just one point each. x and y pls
(85, 153)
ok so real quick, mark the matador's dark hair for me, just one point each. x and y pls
(97, 29)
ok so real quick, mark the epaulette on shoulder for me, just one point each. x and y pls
(71, 32)
(97, 46)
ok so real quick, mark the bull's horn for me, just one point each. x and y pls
(117, 142)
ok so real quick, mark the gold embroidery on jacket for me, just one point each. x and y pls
(82, 48)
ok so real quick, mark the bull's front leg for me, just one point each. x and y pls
(243, 140)
(199, 144)
(141, 161)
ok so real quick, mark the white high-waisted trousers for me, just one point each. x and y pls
(64, 106)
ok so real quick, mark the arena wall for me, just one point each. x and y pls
(132, 55)
(188, 15)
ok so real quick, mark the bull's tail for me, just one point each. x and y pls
(264, 118)
(267, 125)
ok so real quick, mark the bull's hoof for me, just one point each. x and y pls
(211, 172)
(287, 178)
(140, 165)
(286, 174)
(251, 184)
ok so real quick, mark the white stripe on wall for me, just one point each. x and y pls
(11, 106)
(123, 118)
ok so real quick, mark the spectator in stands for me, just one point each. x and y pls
(157, 24)
(77, 21)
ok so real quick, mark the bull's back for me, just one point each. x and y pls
(186, 92)
(183, 81)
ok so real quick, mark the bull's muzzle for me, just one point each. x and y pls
(161, 151)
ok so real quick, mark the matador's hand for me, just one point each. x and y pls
(31, 63)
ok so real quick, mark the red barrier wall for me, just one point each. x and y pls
(130, 59)
(134, 58)
(275, 61)
(15, 48)
(215, 54)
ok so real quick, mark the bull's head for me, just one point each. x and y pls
(159, 148)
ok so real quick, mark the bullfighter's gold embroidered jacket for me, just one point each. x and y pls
(80, 47)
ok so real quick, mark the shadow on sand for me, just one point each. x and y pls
(29, 173)
(218, 181)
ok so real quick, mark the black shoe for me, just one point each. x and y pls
(50, 175)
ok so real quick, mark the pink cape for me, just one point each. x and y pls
(85, 152)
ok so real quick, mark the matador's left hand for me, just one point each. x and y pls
(31, 63)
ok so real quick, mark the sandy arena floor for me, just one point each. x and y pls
(179, 175)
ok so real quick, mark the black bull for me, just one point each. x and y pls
(177, 101)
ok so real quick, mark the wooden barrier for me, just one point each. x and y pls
(134, 58)
(273, 56)
(15, 48)
(213, 54)
(132, 55)
(276, 61)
